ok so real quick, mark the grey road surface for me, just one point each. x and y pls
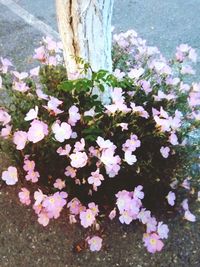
(162, 23)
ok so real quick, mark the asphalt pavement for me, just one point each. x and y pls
(164, 24)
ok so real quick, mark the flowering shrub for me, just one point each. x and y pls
(119, 156)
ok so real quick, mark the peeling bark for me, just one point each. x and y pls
(85, 29)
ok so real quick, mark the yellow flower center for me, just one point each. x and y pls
(152, 241)
(51, 200)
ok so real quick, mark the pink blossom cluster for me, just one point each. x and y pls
(118, 102)
(49, 207)
(130, 208)
(184, 51)
(48, 53)
(37, 131)
(107, 156)
(29, 167)
(24, 196)
(90, 163)
(165, 122)
(5, 119)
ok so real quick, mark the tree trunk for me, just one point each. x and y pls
(85, 29)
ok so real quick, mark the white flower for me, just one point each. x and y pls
(62, 132)
(136, 73)
(163, 230)
(129, 158)
(32, 114)
(189, 216)
(78, 159)
(10, 176)
(171, 197)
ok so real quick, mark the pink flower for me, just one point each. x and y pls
(41, 94)
(161, 67)
(50, 44)
(165, 151)
(125, 217)
(161, 95)
(192, 55)
(138, 192)
(75, 206)
(103, 144)
(74, 115)
(136, 73)
(65, 151)
(90, 112)
(62, 131)
(39, 197)
(72, 219)
(53, 104)
(5, 64)
(95, 178)
(118, 106)
(32, 114)
(59, 184)
(124, 126)
(95, 243)
(79, 146)
(112, 214)
(37, 131)
(24, 196)
(5, 132)
(185, 205)
(198, 196)
(117, 95)
(20, 139)
(1, 82)
(35, 71)
(43, 218)
(20, 87)
(5, 118)
(140, 111)
(132, 144)
(32, 176)
(129, 158)
(113, 169)
(10, 176)
(152, 242)
(187, 69)
(52, 61)
(94, 208)
(151, 224)
(29, 165)
(123, 200)
(162, 124)
(186, 183)
(20, 76)
(108, 158)
(87, 218)
(189, 216)
(40, 54)
(54, 204)
(146, 86)
(171, 197)
(163, 230)
(69, 171)
(118, 74)
(144, 216)
(173, 139)
(78, 159)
